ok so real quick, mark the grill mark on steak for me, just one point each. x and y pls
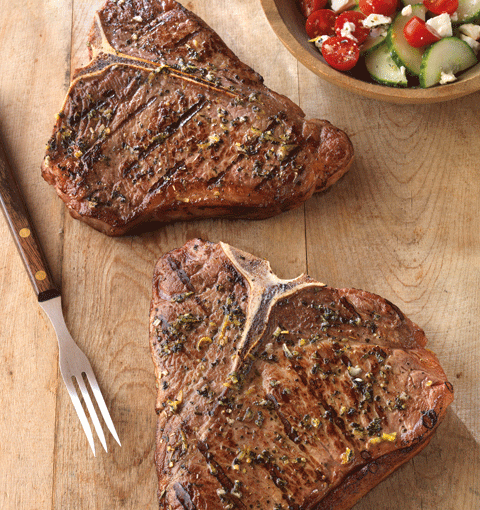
(349, 306)
(167, 132)
(217, 179)
(290, 157)
(335, 426)
(274, 472)
(76, 119)
(164, 180)
(216, 470)
(185, 40)
(183, 497)
(322, 420)
(182, 275)
(89, 157)
(396, 310)
(300, 372)
(166, 325)
(131, 115)
(250, 148)
(152, 27)
(292, 434)
(185, 55)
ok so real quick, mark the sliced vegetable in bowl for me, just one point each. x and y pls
(341, 53)
(384, 7)
(309, 6)
(441, 6)
(402, 52)
(321, 22)
(468, 11)
(350, 24)
(372, 42)
(444, 59)
(399, 47)
(383, 69)
(419, 34)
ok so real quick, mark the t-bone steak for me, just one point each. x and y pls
(281, 394)
(166, 123)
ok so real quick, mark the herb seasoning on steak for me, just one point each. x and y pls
(166, 123)
(281, 394)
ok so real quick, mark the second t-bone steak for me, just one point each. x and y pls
(166, 123)
(281, 394)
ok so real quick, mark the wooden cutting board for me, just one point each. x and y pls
(403, 223)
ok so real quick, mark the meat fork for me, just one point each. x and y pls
(73, 362)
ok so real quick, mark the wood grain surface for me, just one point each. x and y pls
(403, 223)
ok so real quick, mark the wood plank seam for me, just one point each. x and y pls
(59, 382)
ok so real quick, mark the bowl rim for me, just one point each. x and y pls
(464, 86)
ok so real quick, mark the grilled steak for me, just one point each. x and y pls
(166, 124)
(281, 394)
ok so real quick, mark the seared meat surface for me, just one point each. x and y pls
(281, 394)
(166, 124)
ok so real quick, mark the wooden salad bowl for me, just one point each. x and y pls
(288, 24)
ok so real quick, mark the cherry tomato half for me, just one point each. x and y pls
(309, 6)
(385, 7)
(321, 22)
(341, 53)
(441, 6)
(360, 33)
(418, 33)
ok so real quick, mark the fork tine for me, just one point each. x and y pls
(91, 411)
(101, 404)
(81, 413)
(73, 361)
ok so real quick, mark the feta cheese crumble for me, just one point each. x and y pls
(407, 10)
(446, 78)
(347, 30)
(470, 30)
(442, 25)
(380, 31)
(475, 45)
(342, 5)
(373, 20)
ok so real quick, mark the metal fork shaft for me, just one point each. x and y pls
(73, 364)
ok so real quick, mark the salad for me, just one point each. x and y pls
(399, 43)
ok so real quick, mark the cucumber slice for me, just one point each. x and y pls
(449, 55)
(371, 43)
(468, 11)
(383, 69)
(402, 53)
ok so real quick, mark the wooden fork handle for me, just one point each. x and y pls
(21, 227)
